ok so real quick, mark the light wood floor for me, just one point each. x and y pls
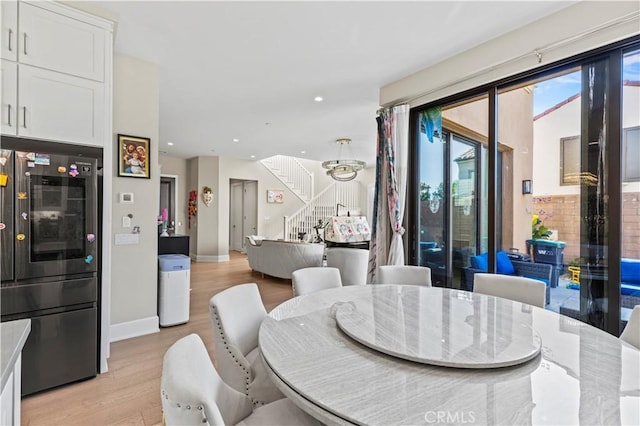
(130, 392)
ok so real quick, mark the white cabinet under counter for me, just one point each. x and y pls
(13, 335)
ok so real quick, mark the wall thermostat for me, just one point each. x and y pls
(126, 197)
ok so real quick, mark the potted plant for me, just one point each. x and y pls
(538, 230)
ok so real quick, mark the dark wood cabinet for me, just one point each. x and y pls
(174, 244)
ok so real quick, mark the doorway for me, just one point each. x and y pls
(168, 200)
(243, 212)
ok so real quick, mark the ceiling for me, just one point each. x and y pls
(251, 70)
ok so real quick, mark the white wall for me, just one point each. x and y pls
(207, 228)
(134, 267)
(514, 52)
(565, 122)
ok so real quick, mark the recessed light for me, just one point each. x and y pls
(170, 143)
(236, 140)
(253, 156)
(303, 152)
(318, 99)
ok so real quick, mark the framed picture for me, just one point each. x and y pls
(133, 156)
(275, 196)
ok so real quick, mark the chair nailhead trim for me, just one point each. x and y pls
(226, 345)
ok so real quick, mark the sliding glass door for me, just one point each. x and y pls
(563, 191)
(452, 189)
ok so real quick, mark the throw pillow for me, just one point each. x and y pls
(630, 271)
(480, 262)
(503, 264)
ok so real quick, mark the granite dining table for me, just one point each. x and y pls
(410, 355)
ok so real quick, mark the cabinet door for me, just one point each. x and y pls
(60, 107)
(9, 116)
(9, 34)
(56, 42)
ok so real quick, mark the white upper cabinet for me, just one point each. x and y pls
(56, 73)
(56, 106)
(9, 35)
(56, 42)
(9, 118)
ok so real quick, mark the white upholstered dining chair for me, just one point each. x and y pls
(405, 274)
(631, 332)
(309, 280)
(519, 289)
(236, 314)
(351, 262)
(193, 393)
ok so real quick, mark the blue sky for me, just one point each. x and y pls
(551, 92)
(546, 94)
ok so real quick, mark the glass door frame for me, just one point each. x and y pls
(613, 54)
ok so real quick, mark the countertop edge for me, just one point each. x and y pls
(13, 337)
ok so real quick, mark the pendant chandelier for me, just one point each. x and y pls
(343, 170)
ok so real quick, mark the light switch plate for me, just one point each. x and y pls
(126, 222)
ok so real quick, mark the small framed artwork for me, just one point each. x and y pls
(275, 196)
(133, 157)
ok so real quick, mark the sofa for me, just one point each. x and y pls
(629, 282)
(280, 258)
(506, 266)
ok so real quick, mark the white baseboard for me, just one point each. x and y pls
(203, 258)
(127, 330)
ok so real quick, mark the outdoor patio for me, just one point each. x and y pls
(568, 298)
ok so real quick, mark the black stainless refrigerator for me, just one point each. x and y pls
(49, 197)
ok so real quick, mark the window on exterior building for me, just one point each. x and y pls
(570, 160)
(631, 154)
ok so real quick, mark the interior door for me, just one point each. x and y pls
(235, 216)
(250, 209)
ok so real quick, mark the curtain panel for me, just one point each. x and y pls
(386, 246)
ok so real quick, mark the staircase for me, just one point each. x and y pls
(292, 174)
(322, 206)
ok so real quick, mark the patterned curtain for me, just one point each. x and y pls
(386, 246)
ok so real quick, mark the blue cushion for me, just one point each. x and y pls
(480, 262)
(630, 289)
(630, 271)
(504, 265)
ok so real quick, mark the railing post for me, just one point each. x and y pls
(285, 232)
